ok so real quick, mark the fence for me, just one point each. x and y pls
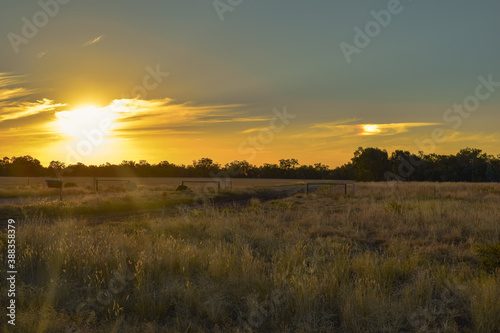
(331, 184)
(230, 183)
(109, 180)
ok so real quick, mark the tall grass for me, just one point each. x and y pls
(379, 261)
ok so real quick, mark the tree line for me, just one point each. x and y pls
(367, 164)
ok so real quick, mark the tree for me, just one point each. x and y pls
(238, 169)
(26, 166)
(288, 167)
(290, 163)
(371, 164)
(204, 167)
(5, 167)
(473, 164)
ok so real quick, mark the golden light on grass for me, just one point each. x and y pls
(409, 254)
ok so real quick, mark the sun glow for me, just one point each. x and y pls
(79, 123)
(370, 129)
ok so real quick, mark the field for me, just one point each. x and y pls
(263, 257)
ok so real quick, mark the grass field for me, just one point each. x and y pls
(402, 258)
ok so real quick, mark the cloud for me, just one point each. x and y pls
(93, 41)
(135, 113)
(8, 79)
(12, 100)
(469, 137)
(41, 54)
(153, 117)
(345, 128)
(154, 131)
(16, 112)
(7, 95)
(26, 109)
(335, 124)
(255, 129)
(224, 119)
(389, 129)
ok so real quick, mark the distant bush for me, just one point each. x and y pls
(70, 184)
(489, 255)
(397, 207)
(181, 188)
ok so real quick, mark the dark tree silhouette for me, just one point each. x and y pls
(367, 164)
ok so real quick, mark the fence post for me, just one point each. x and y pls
(345, 189)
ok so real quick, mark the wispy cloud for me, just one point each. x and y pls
(164, 112)
(10, 91)
(9, 79)
(93, 41)
(27, 109)
(41, 54)
(345, 128)
(389, 129)
(165, 116)
(255, 129)
(471, 137)
(154, 131)
(14, 107)
(334, 124)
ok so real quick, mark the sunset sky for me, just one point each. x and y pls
(105, 81)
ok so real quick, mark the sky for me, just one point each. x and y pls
(105, 81)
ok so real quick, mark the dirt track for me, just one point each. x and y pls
(95, 219)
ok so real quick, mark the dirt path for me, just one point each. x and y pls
(170, 210)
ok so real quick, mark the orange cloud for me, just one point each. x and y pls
(389, 129)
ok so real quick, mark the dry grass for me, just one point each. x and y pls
(11, 187)
(380, 261)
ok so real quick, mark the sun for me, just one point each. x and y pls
(81, 122)
(370, 129)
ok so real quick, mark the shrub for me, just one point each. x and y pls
(70, 184)
(397, 207)
(489, 255)
(181, 188)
